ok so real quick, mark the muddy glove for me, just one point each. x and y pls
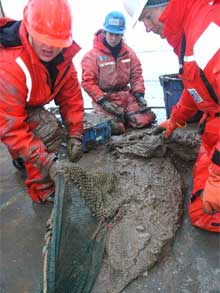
(74, 149)
(168, 126)
(58, 167)
(53, 170)
(110, 107)
(141, 100)
(211, 194)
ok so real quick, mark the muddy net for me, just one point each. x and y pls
(114, 219)
(77, 230)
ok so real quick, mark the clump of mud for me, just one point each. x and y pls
(144, 144)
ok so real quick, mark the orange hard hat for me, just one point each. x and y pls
(49, 22)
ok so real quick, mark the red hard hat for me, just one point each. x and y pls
(49, 22)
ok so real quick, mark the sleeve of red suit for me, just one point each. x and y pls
(70, 101)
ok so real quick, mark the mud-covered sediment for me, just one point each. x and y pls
(143, 143)
(144, 225)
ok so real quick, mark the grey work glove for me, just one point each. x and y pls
(111, 108)
(53, 170)
(74, 149)
(58, 168)
(141, 100)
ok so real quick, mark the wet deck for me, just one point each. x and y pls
(191, 265)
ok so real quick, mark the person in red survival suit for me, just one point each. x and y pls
(35, 68)
(112, 77)
(192, 28)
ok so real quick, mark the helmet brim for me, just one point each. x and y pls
(49, 41)
(136, 16)
(117, 32)
(137, 13)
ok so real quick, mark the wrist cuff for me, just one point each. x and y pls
(138, 95)
(76, 135)
(101, 100)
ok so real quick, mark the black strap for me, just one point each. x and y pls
(202, 75)
(195, 195)
(215, 224)
(115, 89)
(208, 86)
(202, 124)
(182, 53)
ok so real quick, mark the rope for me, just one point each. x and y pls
(47, 238)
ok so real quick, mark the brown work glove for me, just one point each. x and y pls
(74, 149)
(111, 108)
(168, 126)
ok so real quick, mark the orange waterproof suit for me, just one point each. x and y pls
(118, 79)
(26, 82)
(192, 27)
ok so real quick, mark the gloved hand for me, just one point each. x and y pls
(74, 149)
(58, 167)
(211, 194)
(169, 126)
(110, 107)
(141, 100)
(53, 170)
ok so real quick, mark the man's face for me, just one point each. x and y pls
(150, 18)
(45, 53)
(113, 39)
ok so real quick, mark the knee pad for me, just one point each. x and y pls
(46, 127)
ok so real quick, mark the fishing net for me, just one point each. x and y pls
(76, 234)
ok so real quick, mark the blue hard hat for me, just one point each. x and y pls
(115, 23)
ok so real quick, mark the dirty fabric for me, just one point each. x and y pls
(182, 144)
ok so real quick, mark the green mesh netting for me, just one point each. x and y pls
(77, 232)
